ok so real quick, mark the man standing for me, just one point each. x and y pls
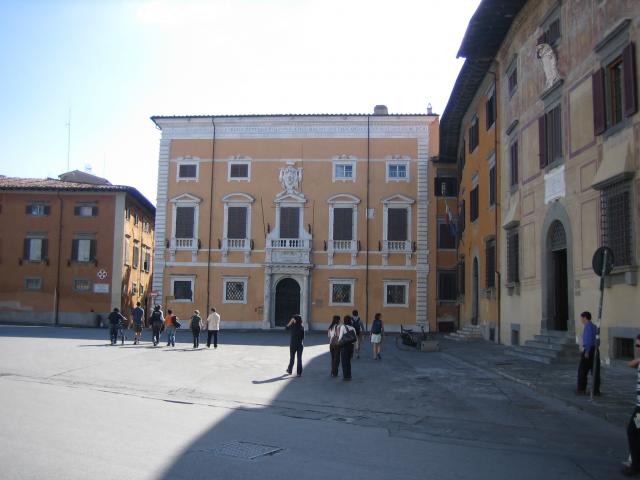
(213, 325)
(633, 428)
(589, 349)
(115, 322)
(138, 315)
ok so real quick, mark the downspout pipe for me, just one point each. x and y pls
(366, 217)
(213, 154)
(56, 316)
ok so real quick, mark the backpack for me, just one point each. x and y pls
(357, 324)
(176, 323)
(335, 336)
(156, 316)
(376, 327)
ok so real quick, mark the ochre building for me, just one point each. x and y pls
(267, 216)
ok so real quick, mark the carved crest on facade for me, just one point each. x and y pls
(290, 177)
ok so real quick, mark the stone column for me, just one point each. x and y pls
(266, 313)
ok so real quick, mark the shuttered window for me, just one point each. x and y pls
(343, 224)
(446, 239)
(550, 136)
(462, 217)
(289, 222)
(38, 209)
(184, 222)
(35, 249)
(490, 254)
(397, 224)
(473, 200)
(490, 110)
(474, 134)
(447, 290)
(136, 256)
(83, 250)
(237, 222)
(513, 257)
(492, 186)
(85, 211)
(513, 161)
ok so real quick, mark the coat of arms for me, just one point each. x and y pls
(290, 177)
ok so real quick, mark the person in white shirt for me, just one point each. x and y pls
(213, 325)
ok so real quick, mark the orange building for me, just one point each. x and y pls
(267, 216)
(72, 249)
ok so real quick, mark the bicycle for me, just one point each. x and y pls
(408, 340)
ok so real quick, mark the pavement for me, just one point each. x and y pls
(76, 407)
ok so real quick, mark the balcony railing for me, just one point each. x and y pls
(184, 243)
(235, 244)
(397, 246)
(290, 243)
(342, 245)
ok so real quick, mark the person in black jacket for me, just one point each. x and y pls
(346, 349)
(296, 345)
(116, 320)
(157, 319)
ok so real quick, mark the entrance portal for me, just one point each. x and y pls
(557, 284)
(287, 301)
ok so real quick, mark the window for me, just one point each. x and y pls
(184, 222)
(396, 294)
(136, 218)
(141, 290)
(343, 223)
(134, 288)
(344, 171)
(289, 222)
(127, 251)
(396, 234)
(490, 110)
(38, 209)
(446, 238)
(474, 134)
(31, 283)
(81, 285)
(447, 286)
(616, 222)
(513, 257)
(512, 77)
(35, 249)
(490, 258)
(614, 91)
(446, 186)
(127, 214)
(146, 265)
(397, 170)
(397, 224)
(513, 162)
(235, 290)
(182, 288)
(551, 30)
(461, 277)
(136, 255)
(462, 216)
(341, 292)
(474, 204)
(492, 186)
(550, 136)
(187, 171)
(239, 171)
(237, 222)
(83, 250)
(85, 211)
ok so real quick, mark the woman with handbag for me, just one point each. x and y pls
(296, 346)
(334, 348)
(346, 340)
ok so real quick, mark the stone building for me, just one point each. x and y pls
(72, 249)
(268, 216)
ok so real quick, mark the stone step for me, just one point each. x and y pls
(529, 356)
(460, 335)
(557, 347)
(558, 340)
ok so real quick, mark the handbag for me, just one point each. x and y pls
(335, 336)
(348, 338)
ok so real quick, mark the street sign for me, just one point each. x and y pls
(153, 294)
(598, 261)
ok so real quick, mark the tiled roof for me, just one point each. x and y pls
(51, 184)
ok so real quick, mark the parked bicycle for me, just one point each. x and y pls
(408, 339)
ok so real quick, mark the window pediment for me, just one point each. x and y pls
(398, 199)
(343, 198)
(290, 197)
(186, 198)
(238, 197)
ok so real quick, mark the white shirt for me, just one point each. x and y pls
(213, 321)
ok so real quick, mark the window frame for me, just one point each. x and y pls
(343, 163)
(474, 194)
(245, 285)
(405, 284)
(513, 256)
(511, 75)
(442, 223)
(182, 278)
(32, 289)
(474, 133)
(187, 161)
(76, 281)
(396, 162)
(38, 209)
(491, 108)
(342, 281)
(231, 163)
(447, 272)
(514, 148)
(80, 210)
(450, 178)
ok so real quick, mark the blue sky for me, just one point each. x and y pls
(115, 63)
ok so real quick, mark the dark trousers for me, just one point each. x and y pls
(293, 352)
(215, 338)
(633, 437)
(585, 366)
(346, 352)
(196, 336)
(113, 333)
(155, 328)
(335, 359)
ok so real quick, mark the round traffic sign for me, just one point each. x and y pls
(598, 261)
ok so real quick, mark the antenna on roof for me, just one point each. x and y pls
(68, 125)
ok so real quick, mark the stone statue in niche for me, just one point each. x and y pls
(549, 63)
(290, 177)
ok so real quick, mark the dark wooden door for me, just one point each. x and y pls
(287, 301)
(560, 293)
(475, 293)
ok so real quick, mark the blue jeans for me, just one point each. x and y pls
(171, 336)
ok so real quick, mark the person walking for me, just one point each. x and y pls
(334, 347)
(346, 348)
(357, 324)
(377, 333)
(115, 323)
(196, 326)
(213, 325)
(296, 344)
(633, 428)
(589, 349)
(138, 316)
(171, 323)
(157, 320)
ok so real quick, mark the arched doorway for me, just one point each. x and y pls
(287, 301)
(557, 278)
(475, 296)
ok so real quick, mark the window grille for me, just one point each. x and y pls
(182, 290)
(341, 293)
(616, 221)
(234, 291)
(557, 236)
(396, 294)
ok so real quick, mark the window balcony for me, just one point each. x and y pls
(396, 246)
(290, 243)
(342, 245)
(183, 243)
(236, 244)
(289, 250)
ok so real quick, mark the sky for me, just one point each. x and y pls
(109, 65)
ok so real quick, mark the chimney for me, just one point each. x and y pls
(429, 109)
(380, 110)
